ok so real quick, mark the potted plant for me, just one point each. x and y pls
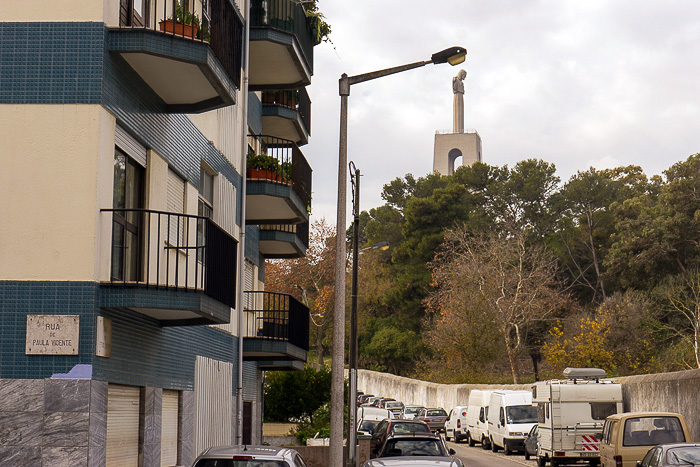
(183, 22)
(262, 166)
(317, 24)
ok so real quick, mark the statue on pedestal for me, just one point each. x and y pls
(458, 106)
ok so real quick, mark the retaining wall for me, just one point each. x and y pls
(667, 392)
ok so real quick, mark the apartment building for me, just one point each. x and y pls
(151, 163)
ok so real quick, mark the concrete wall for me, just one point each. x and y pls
(666, 392)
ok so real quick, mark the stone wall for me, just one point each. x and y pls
(666, 392)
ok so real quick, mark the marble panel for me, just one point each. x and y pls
(151, 455)
(186, 433)
(67, 395)
(20, 456)
(67, 429)
(21, 395)
(98, 429)
(17, 428)
(152, 429)
(98, 397)
(65, 456)
(97, 456)
(153, 400)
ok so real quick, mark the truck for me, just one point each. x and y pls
(571, 413)
(477, 414)
(511, 417)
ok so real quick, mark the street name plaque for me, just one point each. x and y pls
(52, 334)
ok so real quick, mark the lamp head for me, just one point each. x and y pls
(453, 56)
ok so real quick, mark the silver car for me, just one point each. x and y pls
(241, 456)
(434, 417)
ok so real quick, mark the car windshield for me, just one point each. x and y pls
(368, 425)
(240, 463)
(436, 413)
(521, 414)
(413, 447)
(412, 410)
(684, 455)
(394, 405)
(402, 428)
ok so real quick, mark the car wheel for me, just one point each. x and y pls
(484, 442)
(594, 462)
(470, 440)
(506, 449)
(541, 461)
(554, 462)
(527, 455)
(447, 437)
(494, 448)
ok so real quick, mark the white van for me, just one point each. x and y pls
(477, 417)
(456, 424)
(571, 413)
(511, 417)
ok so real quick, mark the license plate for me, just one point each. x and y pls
(589, 454)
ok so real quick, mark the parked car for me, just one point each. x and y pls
(427, 444)
(456, 424)
(365, 428)
(363, 398)
(434, 417)
(531, 443)
(414, 462)
(387, 428)
(668, 455)
(410, 411)
(628, 436)
(241, 456)
(477, 417)
(395, 407)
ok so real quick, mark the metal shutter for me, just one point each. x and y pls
(248, 285)
(213, 387)
(130, 145)
(122, 426)
(169, 428)
(176, 204)
(225, 204)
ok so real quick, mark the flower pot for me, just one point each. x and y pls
(265, 174)
(179, 29)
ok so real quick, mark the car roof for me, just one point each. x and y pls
(258, 451)
(625, 415)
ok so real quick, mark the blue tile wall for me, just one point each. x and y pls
(254, 113)
(143, 353)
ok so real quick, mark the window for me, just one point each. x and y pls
(205, 207)
(126, 226)
(601, 410)
(650, 431)
(540, 413)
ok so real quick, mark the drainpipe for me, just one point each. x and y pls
(241, 245)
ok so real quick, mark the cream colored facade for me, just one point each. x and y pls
(451, 146)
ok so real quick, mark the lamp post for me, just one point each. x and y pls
(453, 56)
(352, 360)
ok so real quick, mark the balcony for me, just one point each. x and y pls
(190, 56)
(278, 184)
(281, 45)
(175, 268)
(278, 241)
(276, 333)
(287, 114)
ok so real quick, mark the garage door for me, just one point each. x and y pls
(122, 426)
(168, 440)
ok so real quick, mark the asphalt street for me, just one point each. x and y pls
(477, 457)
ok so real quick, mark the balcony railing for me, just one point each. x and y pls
(297, 100)
(289, 166)
(285, 15)
(300, 230)
(172, 251)
(276, 316)
(215, 22)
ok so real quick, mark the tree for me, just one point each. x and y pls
(294, 396)
(682, 297)
(500, 276)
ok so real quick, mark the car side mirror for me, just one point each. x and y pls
(452, 452)
(639, 463)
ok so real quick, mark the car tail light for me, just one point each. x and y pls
(464, 414)
(559, 454)
(459, 424)
(618, 461)
(243, 458)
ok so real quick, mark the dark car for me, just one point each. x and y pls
(387, 428)
(434, 417)
(428, 444)
(531, 443)
(675, 454)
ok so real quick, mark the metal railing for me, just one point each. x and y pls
(216, 22)
(452, 132)
(285, 15)
(285, 153)
(297, 99)
(173, 251)
(300, 230)
(276, 316)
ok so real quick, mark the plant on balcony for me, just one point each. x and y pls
(183, 22)
(266, 167)
(316, 22)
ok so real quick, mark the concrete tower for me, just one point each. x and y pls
(450, 146)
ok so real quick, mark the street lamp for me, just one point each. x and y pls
(453, 56)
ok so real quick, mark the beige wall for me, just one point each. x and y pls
(60, 10)
(54, 158)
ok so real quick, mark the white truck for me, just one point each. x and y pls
(511, 417)
(571, 413)
(477, 414)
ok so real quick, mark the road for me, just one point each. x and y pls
(477, 457)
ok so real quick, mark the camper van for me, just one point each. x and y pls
(571, 413)
(476, 421)
(511, 417)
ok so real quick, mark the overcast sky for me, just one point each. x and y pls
(599, 83)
